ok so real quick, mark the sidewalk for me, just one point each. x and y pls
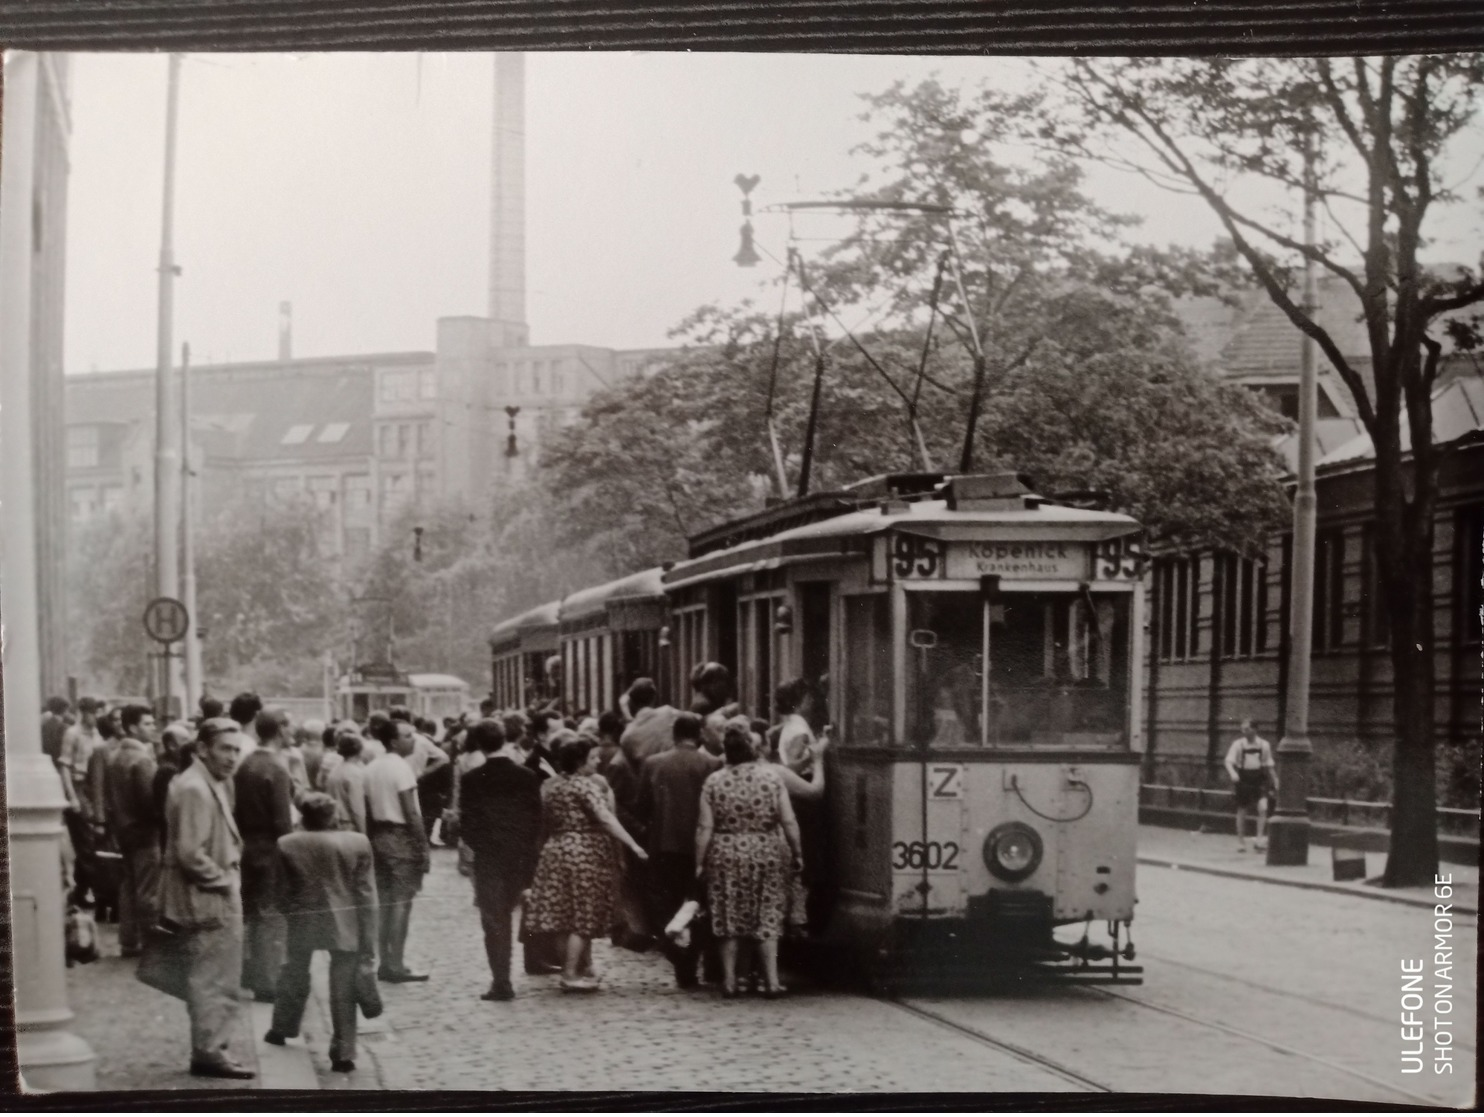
(141, 1037)
(1217, 854)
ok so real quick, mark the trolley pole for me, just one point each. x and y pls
(167, 453)
(1288, 833)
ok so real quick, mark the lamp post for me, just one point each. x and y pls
(50, 1057)
(167, 453)
(1288, 833)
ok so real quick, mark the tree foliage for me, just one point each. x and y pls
(1368, 139)
(268, 599)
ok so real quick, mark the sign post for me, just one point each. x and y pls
(166, 620)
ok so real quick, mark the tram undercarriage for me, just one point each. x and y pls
(998, 947)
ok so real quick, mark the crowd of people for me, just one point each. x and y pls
(236, 844)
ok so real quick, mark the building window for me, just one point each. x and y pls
(427, 482)
(404, 440)
(296, 435)
(397, 387)
(395, 488)
(536, 376)
(1243, 606)
(384, 439)
(425, 440)
(1182, 605)
(1329, 589)
(1178, 583)
(82, 503)
(112, 498)
(1375, 623)
(427, 384)
(357, 493)
(82, 447)
(1469, 525)
(323, 491)
(357, 542)
(285, 488)
(333, 432)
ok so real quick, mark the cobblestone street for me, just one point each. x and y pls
(642, 1033)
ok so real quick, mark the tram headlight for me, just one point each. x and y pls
(1013, 851)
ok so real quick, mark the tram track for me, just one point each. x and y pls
(1263, 1041)
(1024, 1054)
(1272, 990)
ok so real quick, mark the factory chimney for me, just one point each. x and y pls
(285, 332)
(507, 282)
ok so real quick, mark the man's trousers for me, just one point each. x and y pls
(212, 985)
(139, 894)
(293, 994)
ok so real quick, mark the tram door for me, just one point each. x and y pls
(814, 652)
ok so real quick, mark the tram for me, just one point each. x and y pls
(522, 655)
(609, 636)
(380, 686)
(978, 647)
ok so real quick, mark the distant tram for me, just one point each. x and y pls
(381, 686)
(977, 648)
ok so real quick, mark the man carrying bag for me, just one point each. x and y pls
(326, 892)
(198, 956)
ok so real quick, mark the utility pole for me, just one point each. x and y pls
(167, 454)
(1288, 834)
(194, 680)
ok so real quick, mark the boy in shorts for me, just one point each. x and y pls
(1249, 763)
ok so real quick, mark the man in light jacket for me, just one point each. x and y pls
(327, 894)
(201, 895)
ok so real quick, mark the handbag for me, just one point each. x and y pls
(368, 992)
(165, 963)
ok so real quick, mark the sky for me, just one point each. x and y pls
(357, 187)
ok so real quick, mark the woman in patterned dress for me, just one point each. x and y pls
(737, 848)
(577, 875)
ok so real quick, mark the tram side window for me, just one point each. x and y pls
(867, 667)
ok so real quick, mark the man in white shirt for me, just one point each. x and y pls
(399, 845)
(1249, 763)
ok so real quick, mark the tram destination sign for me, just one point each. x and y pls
(915, 557)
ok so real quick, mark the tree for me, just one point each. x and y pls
(269, 600)
(1117, 405)
(1007, 248)
(1369, 138)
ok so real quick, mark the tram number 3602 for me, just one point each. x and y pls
(925, 855)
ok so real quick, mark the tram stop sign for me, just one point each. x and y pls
(165, 620)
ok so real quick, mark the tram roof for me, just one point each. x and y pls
(586, 603)
(933, 518)
(433, 679)
(542, 616)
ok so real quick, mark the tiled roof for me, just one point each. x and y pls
(1255, 336)
(247, 411)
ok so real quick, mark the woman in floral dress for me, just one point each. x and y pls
(577, 875)
(742, 808)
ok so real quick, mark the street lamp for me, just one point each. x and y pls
(1288, 833)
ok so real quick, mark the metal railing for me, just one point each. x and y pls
(1343, 812)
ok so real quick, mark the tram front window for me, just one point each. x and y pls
(1058, 670)
(945, 646)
